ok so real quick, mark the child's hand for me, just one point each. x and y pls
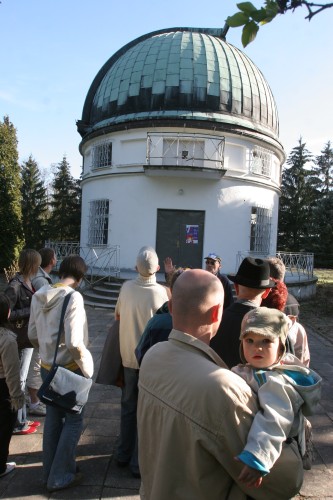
(251, 477)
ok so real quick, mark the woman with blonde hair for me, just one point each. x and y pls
(19, 292)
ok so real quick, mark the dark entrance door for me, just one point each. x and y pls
(180, 235)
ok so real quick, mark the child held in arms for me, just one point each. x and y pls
(286, 390)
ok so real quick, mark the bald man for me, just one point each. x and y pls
(194, 414)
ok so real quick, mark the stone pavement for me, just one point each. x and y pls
(102, 478)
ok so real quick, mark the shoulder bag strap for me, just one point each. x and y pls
(61, 324)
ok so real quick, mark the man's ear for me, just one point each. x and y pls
(216, 313)
(170, 306)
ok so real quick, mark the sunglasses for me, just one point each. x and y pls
(211, 262)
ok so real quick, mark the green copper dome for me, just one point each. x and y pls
(180, 74)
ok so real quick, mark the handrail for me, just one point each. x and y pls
(107, 258)
(298, 264)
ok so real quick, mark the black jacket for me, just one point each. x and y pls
(226, 341)
(19, 295)
(228, 290)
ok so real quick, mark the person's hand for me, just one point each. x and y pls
(168, 265)
(252, 478)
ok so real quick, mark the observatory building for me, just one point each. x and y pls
(181, 151)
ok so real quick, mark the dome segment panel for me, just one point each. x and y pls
(182, 73)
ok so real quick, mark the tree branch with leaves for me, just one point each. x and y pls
(252, 18)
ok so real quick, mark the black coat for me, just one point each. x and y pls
(19, 295)
(228, 290)
(226, 341)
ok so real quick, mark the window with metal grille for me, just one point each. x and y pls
(260, 161)
(98, 223)
(102, 155)
(261, 223)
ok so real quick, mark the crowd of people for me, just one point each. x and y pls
(215, 386)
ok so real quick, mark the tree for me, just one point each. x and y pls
(323, 222)
(34, 204)
(11, 241)
(324, 168)
(298, 198)
(252, 18)
(65, 217)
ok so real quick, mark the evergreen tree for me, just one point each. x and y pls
(298, 198)
(11, 241)
(66, 205)
(34, 205)
(323, 221)
(324, 168)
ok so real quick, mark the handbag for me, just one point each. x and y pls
(64, 388)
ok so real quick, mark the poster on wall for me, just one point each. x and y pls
(192, 234)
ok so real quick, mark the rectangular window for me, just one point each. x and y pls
(261, 223)
(102, 155)
(260, 161)
(98, 223)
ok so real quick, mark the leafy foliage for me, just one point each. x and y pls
(324, 168)
(11, 241)
(298, 198)
(34, 205)
(65, 217)
(306, 204)
(252, 18)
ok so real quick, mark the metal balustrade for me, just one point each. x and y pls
(102, 263)
(298, 264)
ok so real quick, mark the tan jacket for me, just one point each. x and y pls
(10, 367)
(193, 419)
(138, 301)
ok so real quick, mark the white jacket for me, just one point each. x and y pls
(44, 323)
(299, 340)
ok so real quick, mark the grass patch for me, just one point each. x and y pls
(318, 311)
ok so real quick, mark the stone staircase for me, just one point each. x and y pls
(104, 295)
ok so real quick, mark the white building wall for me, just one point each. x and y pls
(135, 197)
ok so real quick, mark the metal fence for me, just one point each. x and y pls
(298, 265)
(102, 263)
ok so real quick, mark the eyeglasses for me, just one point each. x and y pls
(211, 262)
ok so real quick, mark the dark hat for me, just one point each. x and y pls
(253, 273)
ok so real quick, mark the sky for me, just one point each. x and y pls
(51, 50)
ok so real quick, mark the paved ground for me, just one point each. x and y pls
(103, 480)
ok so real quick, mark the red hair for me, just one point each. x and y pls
(277, 297)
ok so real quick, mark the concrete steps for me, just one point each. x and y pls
(104, 295)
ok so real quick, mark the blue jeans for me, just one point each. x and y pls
(128, 445)
(25, 358)
(62, 432)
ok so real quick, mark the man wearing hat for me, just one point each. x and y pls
(252, 284)
(213, 265)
